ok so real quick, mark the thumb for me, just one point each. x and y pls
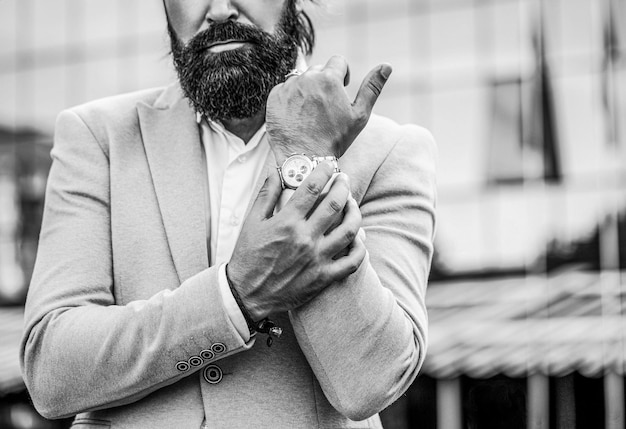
(371, 87)
(267, 198)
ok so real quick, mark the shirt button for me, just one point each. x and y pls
(212, 374)
(242, 159)
(234, 220)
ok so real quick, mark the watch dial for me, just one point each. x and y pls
(296, 169)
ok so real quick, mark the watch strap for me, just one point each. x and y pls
(330, 158)
(265, 326)
(316, 160)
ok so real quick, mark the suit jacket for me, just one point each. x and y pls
(124, 316)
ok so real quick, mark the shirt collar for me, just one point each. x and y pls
(210, 127)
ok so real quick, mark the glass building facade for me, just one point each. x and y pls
(526, 99)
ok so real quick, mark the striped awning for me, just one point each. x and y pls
(11, 324)
(519, 326)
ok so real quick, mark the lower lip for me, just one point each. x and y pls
(226, 46)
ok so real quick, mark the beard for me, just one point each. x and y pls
(235, 84)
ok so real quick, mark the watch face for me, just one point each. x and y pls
(295, 169)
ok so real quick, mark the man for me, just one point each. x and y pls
(158, 288)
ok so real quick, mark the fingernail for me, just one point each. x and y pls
(385, 71)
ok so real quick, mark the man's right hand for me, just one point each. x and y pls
(282, 261)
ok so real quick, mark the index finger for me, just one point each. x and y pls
(307, 194)
(338, 66)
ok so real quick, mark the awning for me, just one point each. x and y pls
(519, 326)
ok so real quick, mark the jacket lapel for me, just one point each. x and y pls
(173, 148)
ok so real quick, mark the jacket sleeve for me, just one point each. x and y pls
(365, 337)
(80, 351)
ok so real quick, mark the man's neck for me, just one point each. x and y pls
(245, 128)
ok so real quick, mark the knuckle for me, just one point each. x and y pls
(264, 191)
(317, 269)
(350, 235)
(304, 243)
(313, 188)
(290, 227)
(375, 86)
(353, 265)
(335, 206)
(323, 276)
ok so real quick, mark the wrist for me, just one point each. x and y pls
(297, 167)
(261, 324)
(283, 150)
(250, 320)
(251, 312)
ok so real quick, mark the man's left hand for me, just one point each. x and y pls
(312, 114)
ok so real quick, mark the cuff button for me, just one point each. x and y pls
(207, 354)
(182, 366)
(195, 361)
(218, 348)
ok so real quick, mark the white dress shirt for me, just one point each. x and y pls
(233, 169)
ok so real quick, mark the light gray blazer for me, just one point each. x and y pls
(122, 295)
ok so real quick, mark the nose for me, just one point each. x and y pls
(221, 11)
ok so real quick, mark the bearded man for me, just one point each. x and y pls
(204, 264)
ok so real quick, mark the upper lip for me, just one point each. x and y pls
(224, 42)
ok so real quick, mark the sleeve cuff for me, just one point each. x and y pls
(232, 309)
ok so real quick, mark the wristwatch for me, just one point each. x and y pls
(298, 166)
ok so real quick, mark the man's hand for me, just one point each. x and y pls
(282, 261)
(312, 114)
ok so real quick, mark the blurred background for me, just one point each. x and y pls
(527, 101)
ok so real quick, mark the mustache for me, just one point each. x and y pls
(224, 32)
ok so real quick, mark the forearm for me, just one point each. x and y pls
(365, 337)
(363, 345)
(126, 351)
